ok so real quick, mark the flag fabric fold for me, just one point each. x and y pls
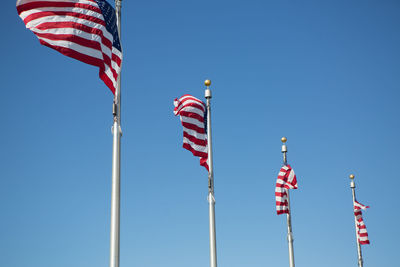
(192, 112)
(85, 30)
(286, 180)
(362, 234)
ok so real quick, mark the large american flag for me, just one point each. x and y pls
(192, 112)
(82, 29)
(286, 180)
(362, 234)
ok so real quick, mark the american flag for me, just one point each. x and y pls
(362, 234)
(286, 180)
(82, 29)
(192, 112)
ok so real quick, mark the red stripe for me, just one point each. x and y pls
(193, 127)
(194, 105)
(192, 115)
(203, 156)
(203, 162)
(107, 81)
(195, 140)
(74, 25)
(195, 152)
(41, 4)
(282, 211)
(116, 59)
(189, 106)
(63, 13)
(76, 55)
(198, 105)
(188, 97)
(72, 38)
(107, 61)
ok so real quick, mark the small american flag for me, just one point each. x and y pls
(192, 112)
(362, 234)
(82, 29)
(286, 180)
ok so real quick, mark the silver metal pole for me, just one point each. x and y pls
(116, 164)
(211, 199)
(288, 215)
(353, 186)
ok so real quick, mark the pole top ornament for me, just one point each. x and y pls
(207, 83)
(283, 139)
(351, 176)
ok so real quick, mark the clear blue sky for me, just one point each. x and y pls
(326, 74)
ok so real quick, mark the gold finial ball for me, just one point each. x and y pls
(283, 139)
(207, 82)
(351, 176)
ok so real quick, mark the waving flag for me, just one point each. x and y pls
(286, 180)
(82, 29)
(362, 234)
(192, 112)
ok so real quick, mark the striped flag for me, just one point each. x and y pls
(192, 112)
(85, 30)
(362, 234)
(286, 180)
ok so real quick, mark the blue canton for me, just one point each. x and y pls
(111, 21)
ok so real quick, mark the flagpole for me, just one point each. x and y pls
(353, 186)
(211, 199)
(288, 215)
(116, 163)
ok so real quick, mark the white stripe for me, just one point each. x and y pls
(114, 64)
(282, 174)
(190, 109)
(193, 121)
(192, 98)
(282, 208)
(280, 182)
(73, 46)
(280, 189)
(291, 176)
(73, 31)
(188, 102)
(280, 199)
(195, 146)
(109, 74)
(359, 206)
(79, 10)
(195, 134)
(116, 52)
(57, 18)
(53, 19)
